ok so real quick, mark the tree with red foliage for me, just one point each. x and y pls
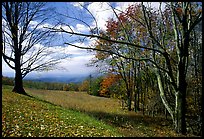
(108, 81)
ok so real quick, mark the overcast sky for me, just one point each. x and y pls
(76, 64)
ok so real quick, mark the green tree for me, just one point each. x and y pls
(95, 86)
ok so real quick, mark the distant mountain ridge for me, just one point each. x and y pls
(65, 79)
(68, 78)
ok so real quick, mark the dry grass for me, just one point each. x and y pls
(80, 101)
(24, 116)
(109, 110)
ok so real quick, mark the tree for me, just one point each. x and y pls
(126, 68)
(95, 86)
(23, 39)
(107, 82)
(167, 36)
(84, 86)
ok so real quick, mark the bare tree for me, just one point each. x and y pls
(24, 40)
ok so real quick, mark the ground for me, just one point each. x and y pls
(62, 113)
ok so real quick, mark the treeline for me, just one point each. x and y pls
(145, 99)
(43, 85)
(146, 96)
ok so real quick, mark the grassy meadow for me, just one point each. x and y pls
(63, 114)
(24, 116)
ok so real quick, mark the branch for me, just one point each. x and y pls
(9, 58)
(42, 66)
(119, 55)
(195, 23)
(131, 17)
(125, 31)
(149, 26)
(103, 38)
(6, 58)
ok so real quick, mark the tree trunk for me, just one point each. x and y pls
(129, 100)
(180, 108)
(162, 95)
(180, 123)
(18, 84)
(178, 116)
(165, 112)
(135, 101)
(144, 96)
(138, 88)
(135, 87)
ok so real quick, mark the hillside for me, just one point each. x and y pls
(108, 110)
(68, 114)
(24, 116)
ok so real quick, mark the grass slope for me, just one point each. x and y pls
(23, 116)
(62, 113)
(108, 110)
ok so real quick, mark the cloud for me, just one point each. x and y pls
(122, 6)
(33, 23)
(155, 5)
(75, 51)
(79, 58)
(66, 28)
(3, 21)
(42, 26)
(101, 11)
(81, 28)
(74, 65)
(77, 65)
(69, 50)
(78, 4)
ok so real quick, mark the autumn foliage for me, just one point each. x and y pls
(162, 43)
(107, 82)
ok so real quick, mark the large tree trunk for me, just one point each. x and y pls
(180, 108)
(180, 122)
(178, 115)
(18, 84)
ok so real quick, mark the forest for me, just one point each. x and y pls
(151, 60)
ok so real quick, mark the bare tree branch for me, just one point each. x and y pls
(103, 38)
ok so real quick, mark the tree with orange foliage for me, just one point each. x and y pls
(108, 81)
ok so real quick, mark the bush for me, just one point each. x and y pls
(95, 86)
(7, 81)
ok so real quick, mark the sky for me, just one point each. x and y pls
(76, 64)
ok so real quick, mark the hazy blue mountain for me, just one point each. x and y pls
(63, 77)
